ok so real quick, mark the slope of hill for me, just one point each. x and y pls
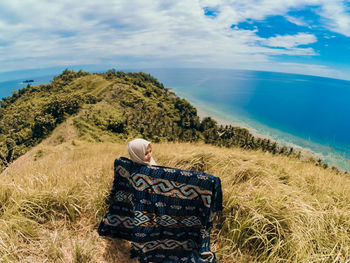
(114, 106)
(57, 147)
(276, 209)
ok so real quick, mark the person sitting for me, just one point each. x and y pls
(140, 151)
(166, 213)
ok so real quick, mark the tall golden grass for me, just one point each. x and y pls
(276, 209)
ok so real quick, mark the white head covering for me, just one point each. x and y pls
(137, 150)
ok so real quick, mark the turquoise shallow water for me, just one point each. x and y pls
(297, 110)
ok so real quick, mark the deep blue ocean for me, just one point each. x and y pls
(297, 110)
(6, 87)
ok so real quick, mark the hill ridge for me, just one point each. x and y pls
(115, 106)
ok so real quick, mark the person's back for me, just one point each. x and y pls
(166, 213)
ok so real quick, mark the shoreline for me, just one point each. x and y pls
(306, 153)
(307, 148)
(221, 121)
(202, 113)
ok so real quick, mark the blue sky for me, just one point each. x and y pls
(294, 36)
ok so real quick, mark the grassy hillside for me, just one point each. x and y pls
(114, 106)
(108, 106)
(276, 208)
(57, 147)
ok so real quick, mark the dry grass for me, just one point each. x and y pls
(275, 209)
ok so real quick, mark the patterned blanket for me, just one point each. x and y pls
(166, 213)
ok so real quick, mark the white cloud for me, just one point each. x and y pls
(145, 33)
(232, 11)
(290, 41)
(295, 20)
(337, 17)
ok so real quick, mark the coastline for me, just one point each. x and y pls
(306, 153)
(202, 113)
(222, 121)
(208, 110)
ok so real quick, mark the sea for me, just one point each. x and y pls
(7, 87)
(300, 111)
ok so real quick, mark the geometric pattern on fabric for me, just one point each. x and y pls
(143, 182)
(163, 244)
(166, 213)
(115, 220)
(123, 196)
(153, 220)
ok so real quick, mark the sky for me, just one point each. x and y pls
(294, 36)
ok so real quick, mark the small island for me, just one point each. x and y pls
(28, 81)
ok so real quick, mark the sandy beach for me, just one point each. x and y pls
(221, 121)
(305, 152)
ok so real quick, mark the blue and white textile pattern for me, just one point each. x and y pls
(166, 213)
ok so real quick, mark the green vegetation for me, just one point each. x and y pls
(31, 113)
(114, 106)
(277, 207)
